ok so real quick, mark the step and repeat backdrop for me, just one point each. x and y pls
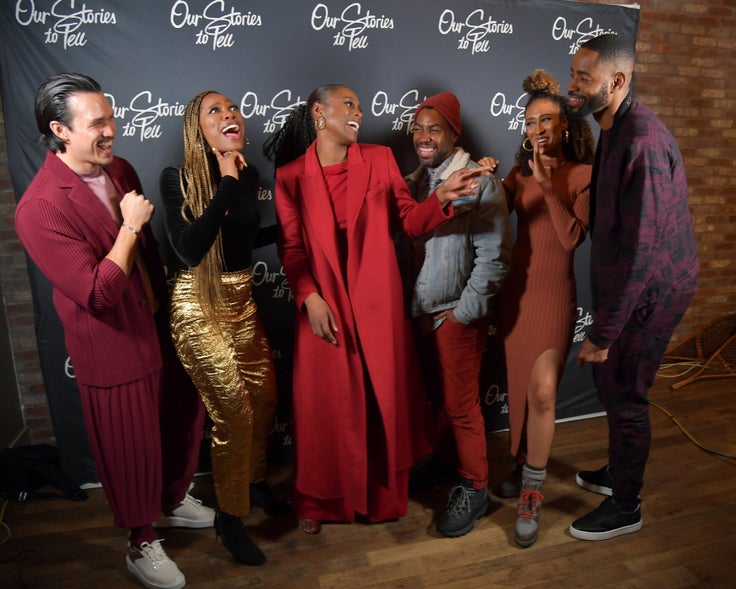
(151, 58)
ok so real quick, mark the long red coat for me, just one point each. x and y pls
(329, 396)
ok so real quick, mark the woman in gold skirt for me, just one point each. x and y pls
(212, 222)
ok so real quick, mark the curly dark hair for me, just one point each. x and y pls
(580, 146)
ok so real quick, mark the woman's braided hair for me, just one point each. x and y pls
(198, 187)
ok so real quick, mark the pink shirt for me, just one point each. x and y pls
(103, 188)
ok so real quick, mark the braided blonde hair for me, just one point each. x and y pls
(198, 188)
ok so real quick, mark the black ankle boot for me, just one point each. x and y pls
(237, 540)
(262, 496)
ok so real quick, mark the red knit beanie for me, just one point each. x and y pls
(447, 104)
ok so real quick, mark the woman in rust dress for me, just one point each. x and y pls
(548, 187)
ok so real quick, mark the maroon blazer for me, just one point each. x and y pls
(109, 327)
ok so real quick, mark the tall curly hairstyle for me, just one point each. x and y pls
(197, 178)
(298, 131)
(580, 146)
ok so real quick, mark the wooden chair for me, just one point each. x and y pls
(712, 350)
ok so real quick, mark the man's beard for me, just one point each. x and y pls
(594, 103)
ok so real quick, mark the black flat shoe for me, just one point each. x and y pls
(262, 496)
(234, 535)
(437, 471)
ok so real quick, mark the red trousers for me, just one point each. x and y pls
(145, 437)
(451, 358)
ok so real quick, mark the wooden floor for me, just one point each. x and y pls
(688, 538)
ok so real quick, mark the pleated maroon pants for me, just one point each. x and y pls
(145, 437)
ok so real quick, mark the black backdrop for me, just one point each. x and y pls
(151, 58)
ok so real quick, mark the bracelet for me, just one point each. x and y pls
(130, 228)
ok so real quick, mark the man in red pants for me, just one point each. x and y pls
(455, 272)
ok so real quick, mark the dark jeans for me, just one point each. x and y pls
(623, 383)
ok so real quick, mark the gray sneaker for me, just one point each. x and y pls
(464, 506)
(151, 565)
(598, 481)
(527, 517)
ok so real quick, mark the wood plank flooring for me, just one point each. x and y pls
(688, 538)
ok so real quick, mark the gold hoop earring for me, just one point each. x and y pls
(566, 136)
(320, 123)
(524, 147)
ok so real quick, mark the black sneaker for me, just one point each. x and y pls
(607, 521)
(598, 481)
(464, 507)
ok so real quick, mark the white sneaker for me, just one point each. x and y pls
(153, 567)
(190, 514)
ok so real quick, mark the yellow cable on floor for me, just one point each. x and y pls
(727, 457)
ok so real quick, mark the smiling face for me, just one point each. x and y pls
(544, 126)
(221, 123)
(342, 115)
(590, 81)
(434, 139)
(89, 137)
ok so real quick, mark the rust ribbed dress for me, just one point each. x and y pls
(537, 302)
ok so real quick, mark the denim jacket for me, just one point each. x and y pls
(465, 259)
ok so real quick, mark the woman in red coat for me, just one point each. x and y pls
(358, 406)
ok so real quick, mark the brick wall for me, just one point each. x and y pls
(18, 304)
(685, 72)
(686, 61)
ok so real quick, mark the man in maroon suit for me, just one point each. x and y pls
(85, 223)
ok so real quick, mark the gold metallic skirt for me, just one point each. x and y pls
(231, 365)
